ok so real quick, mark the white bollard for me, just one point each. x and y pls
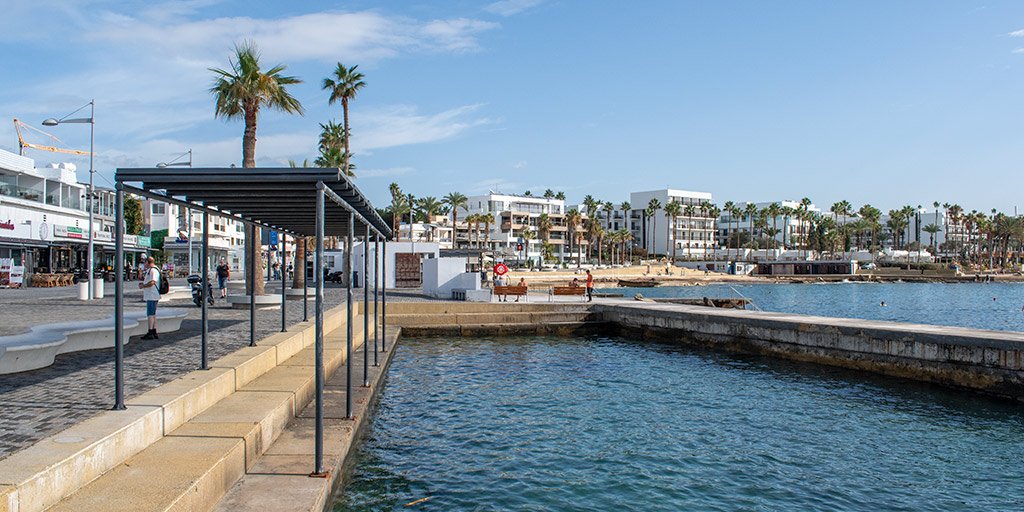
(97, 288)
(83, 290)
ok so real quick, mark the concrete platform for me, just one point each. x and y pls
(268, 301)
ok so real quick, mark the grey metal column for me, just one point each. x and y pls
(366, 308)
(384, 297)
(252, 285)
(318, 460)
(305, 285)
(348, 308)
(376, 291)
(205, 266)
(284, 277)
(118, 300)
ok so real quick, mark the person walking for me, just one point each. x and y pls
(150, 286)
(590, 286)
(223, 273)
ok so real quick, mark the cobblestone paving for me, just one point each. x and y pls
(40, 403)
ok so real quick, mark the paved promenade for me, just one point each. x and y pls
(39, 403)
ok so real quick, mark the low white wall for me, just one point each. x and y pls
(442, 275)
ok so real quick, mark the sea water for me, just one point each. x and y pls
(598, 423)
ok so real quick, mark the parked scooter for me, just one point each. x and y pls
(198, 285)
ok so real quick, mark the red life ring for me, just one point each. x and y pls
(500, 269)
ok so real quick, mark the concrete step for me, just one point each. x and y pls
(504, 329)
(231, 434)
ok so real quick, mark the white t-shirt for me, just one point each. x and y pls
(151, 292)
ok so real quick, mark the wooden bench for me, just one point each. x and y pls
(567, 291)
(516, 291)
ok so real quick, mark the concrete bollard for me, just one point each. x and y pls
(97, 288)
(83, 290)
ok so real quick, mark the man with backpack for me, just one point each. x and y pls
(223, 273)
(152, 285)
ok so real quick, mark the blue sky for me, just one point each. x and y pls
(888, 103)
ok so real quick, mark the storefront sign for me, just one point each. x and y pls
(7, 225)
(143, 241)
(68, 231)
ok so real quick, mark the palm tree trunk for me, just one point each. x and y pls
(299, 278)
(344, 108)
(254, 257)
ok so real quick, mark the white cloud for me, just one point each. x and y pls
(519, 165)
(403, 124)
(383, 173)
(1017, 33)
(511, 7)
(1018, 50)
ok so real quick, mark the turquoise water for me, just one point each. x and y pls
(962, 304)
(559, 424)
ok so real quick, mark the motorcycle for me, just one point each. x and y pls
(198, 285)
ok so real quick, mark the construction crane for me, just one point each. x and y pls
(18, 125)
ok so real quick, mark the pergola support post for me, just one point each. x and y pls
(284, 277)
(205, 265)
(118, 300)
(318, 457)
(348, 310)
(376, 291)
(366, 308)
(252, 285)
(384, 297)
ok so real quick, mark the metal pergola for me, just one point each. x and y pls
(300, 202)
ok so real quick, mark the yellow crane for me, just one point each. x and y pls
(18, 125)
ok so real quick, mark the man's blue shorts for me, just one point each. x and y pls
(151, 308)
(222, 282)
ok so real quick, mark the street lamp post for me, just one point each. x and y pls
(92, 188)
(188, 211)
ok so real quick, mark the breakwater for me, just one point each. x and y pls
(987, 361)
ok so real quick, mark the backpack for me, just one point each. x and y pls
(165, 284)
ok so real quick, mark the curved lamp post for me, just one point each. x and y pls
(91, 120)
(188, 211)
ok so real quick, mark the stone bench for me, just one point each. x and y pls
(38, 347)
(262, 301)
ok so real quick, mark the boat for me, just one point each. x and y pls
(638, 283)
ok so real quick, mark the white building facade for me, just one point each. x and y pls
(44, 221)
(694, 231)
(516, 215)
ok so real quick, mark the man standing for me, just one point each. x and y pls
(590, 286)
(150, 286)
(223, 273)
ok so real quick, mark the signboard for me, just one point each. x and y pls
(500, 269)
(5, 271)
(68, 231)
(273, 238)
(17, 276)
(7, 225)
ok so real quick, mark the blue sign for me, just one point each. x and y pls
(273, 238)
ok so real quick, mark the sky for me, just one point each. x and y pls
(880, 102)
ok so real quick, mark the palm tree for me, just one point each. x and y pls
(472, 222)
(429, 207)
(242, 92)
(548, 194)
(932, 230)
(487, 219)
(455, 200)
(527, 235)
(625, 236)
(672, 210)
(652, 208)
(870, 215)
(627, 209)
(299, 276)
(689, 211)
(344, 85)
(750, 210)
(560, 196)
(544, 226)
(572, 220)
(713, 212)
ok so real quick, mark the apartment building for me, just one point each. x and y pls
(694, 233)
(518, 223)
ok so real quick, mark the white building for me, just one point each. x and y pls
(694, 234)
(227, 237)
(514, 215)
(439, 230)
(44, 223)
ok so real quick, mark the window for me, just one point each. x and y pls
(159, 208)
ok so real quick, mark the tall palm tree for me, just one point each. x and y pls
(689, 211)
(713, 212)
(455, 200)
(344, 85)
(750, 210)
(471, 220)
(544, 226)
(487, 219)
(672, 210)
(627, 210)
(572, 221)
(429, 207)
(652, 209)
(241, 92)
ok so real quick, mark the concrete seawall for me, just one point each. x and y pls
(988, 361)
